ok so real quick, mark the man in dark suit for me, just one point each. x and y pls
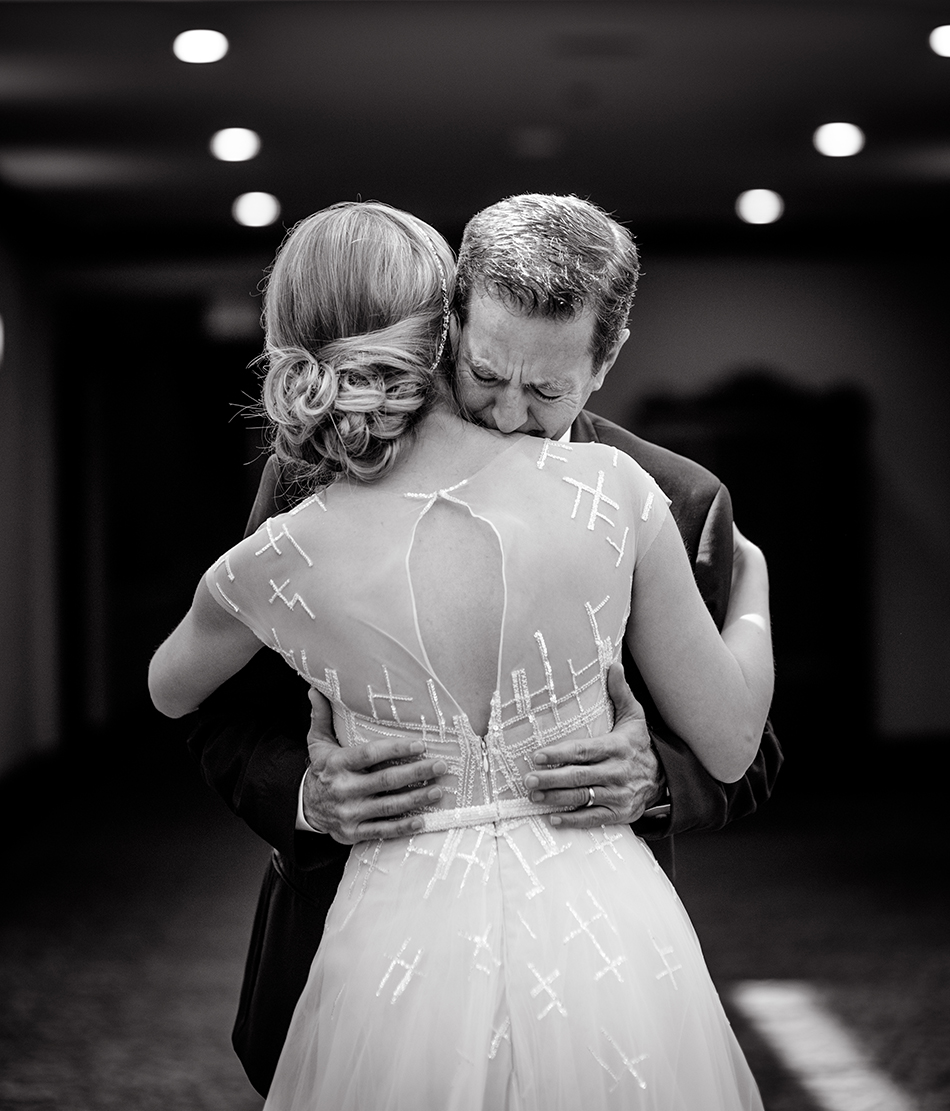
(545, 286)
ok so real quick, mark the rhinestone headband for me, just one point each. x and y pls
(443, 337)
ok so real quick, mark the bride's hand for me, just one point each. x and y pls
(620, 768)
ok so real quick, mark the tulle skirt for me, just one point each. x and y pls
(510, 967)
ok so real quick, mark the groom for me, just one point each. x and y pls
(545, 286)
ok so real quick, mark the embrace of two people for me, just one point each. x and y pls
(462, 910)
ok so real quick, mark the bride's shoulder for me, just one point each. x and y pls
(587, 455)
(610, 467)
(611, 456)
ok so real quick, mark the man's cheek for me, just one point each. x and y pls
(480, 398)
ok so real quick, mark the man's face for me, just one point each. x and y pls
(523, 373)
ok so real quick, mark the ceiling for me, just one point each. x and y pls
(662, 112)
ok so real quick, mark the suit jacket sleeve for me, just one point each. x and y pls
(250, 736)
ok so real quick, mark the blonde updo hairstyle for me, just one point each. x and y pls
(355, 319)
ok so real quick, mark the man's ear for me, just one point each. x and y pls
(455, 333)
(611, 358)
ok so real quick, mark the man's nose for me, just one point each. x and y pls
(509, 411)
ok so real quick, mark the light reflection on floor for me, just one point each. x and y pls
(815, 1047)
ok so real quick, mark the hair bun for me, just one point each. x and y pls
(348, 410)
(300, 391)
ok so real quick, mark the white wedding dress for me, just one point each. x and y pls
(492, 961)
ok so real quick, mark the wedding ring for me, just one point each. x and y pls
(590, 800)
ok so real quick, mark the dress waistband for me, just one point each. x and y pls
(458, 817)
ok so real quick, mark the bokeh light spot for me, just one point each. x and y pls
(235, 144)
(256, 210)
(759, 206)
(200, 46)
(838, 140)
(940, 40)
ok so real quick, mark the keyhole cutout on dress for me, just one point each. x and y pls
(457, 576)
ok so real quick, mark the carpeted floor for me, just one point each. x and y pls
(123, 943)
(130, 890)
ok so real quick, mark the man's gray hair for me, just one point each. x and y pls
(552, 256)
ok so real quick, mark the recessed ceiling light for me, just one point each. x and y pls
(256, 210)
(200, 46)
(235, 144)
(838, 140)
(759, 206)
(940, 40)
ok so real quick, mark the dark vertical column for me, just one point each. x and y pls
(157, 470)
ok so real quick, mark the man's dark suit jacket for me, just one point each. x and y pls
(250, 742)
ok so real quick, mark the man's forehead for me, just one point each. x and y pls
(493, 330)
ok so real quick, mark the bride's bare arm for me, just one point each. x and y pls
(208, 647)
(713, 690)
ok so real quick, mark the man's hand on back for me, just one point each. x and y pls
(621, 768)
(365, 792)
(346, 791)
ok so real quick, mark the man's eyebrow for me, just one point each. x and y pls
(477, 363)
(552, 384)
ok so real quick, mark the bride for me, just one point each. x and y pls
(470, 590)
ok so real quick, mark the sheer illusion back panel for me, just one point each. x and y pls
(411, 608)
(457, 578)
